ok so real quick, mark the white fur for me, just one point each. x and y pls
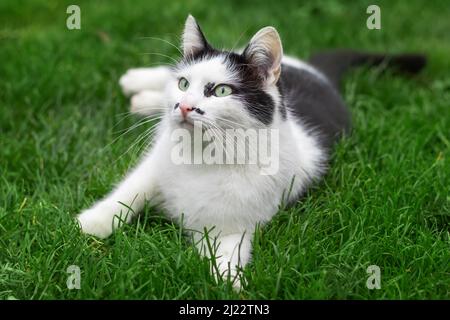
(266, 44)
(139, 79)
(227, 200)
(192, 39)
(148, 102)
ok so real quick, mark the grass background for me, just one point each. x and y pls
(385, 200)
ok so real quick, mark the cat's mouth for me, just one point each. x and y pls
(187, 123)
(190, 124)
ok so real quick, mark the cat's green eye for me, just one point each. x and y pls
(222, 90)
(183, 84)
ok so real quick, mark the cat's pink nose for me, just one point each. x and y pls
(185, 109)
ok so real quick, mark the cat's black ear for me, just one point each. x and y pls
(265, 52)
(193, 39)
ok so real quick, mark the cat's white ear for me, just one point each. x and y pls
(265, 52)
(193, 39)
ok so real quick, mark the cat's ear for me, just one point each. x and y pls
(193, 39)
(265, 52)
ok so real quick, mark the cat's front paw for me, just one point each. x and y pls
(228, 273)
(147, 103)
(139, 79)
(97, 221)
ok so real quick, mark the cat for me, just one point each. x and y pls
(256, 88)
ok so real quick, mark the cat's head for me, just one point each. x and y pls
(226, 89)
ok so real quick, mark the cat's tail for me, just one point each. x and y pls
(335, 63)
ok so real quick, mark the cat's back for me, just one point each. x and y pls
(313, 100)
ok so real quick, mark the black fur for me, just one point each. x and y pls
(249, 89)
(209, 89)
(198, 110)
(315, 102)
(335, 63)
(282, 106)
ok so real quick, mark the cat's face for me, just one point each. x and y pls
(222, 89)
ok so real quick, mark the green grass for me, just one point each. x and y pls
(385, 200)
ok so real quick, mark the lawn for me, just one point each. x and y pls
(64, 143)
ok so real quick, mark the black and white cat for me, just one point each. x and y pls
(210, 88)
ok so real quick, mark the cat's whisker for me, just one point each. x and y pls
(165, 41)
(242, 141)
(145, 141)
(219, 134)
(236, 43)
(136, 125)
(144, 121)
(159, 64)
(123, 116)
(162, 55)
(123, 133)
(139, 139)
(224, 138)
(239, 125)
(217, 131)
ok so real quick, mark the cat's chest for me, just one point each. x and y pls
(210, 182)
(213, 196)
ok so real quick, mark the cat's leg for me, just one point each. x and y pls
(232, 252)
(122, 203)
(140, 79)
(148, 103)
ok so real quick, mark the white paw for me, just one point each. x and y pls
(97, 221)
(139, 79)
(147, 102)
(229, 272)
